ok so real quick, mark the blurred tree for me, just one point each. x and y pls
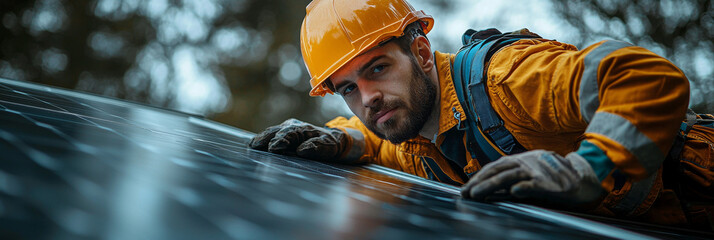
(681, 30)
(219, 58)
(235, 61)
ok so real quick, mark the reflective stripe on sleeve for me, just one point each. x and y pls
(589, 100)
(626, 134)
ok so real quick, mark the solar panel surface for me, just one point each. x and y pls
(76, 165)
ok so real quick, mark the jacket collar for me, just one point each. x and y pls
(451, 113)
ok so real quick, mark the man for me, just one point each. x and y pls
(593, 126)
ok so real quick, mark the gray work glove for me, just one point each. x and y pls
(294, 137)
(539, 175)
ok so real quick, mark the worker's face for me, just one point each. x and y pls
(388, 92)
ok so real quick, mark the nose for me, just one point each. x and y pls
(371, 94)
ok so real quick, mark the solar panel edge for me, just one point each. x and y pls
(94, 97)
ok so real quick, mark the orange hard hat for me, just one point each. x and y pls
(335, 31)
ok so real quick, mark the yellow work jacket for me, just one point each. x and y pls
(618, 105)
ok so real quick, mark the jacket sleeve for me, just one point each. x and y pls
(629, 101)
(377, 150)
(633, 102)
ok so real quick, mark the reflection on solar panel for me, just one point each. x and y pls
(81, 166)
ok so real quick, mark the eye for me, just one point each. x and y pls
(378, 68)
(348, 89)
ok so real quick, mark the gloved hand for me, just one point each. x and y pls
(294, 137)
(538, 175)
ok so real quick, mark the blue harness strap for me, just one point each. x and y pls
(488, 138)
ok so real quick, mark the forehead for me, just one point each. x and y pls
(389, 51)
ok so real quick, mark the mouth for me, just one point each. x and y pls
(383, 116)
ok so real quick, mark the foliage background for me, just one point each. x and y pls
(238, 61)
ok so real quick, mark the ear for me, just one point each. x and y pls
(421, 48)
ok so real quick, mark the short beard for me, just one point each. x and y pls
(422, 96)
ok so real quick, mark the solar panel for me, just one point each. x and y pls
(77, 165)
